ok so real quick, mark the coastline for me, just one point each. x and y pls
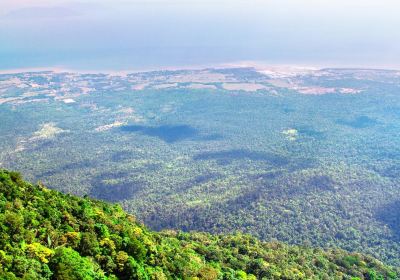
(259, 66)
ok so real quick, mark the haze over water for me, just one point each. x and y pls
(127, 35)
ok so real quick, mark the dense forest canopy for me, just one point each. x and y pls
(296, 155)
(45, 234)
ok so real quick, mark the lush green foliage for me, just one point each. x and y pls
(303, 169)
(48, 235)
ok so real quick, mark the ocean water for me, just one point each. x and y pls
(136, 34)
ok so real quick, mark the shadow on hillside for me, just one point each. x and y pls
(124, 156)
(390, 215)
(321, 183)
(199, 180)
(391, 172)
(311, 132)
(227, 157)
(66, 167)
(115, 187)
(359, 122)
(170, 133)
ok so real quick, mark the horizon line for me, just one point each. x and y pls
(241, 64)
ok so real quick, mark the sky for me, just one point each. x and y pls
(150, 34)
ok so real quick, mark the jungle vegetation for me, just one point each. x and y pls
(45, 234)
(304, 169)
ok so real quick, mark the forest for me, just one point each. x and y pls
(45, 234)
(220, 150)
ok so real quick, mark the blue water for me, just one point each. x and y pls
(148, 34)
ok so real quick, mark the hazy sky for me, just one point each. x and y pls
(137, 34)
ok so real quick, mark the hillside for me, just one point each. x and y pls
(45, 234)
(313, 158)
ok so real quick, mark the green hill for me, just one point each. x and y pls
(45, 234)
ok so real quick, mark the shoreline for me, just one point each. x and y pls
(259, 66)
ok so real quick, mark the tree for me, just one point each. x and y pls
(67, 264)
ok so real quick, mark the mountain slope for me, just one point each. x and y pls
(45, 234)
